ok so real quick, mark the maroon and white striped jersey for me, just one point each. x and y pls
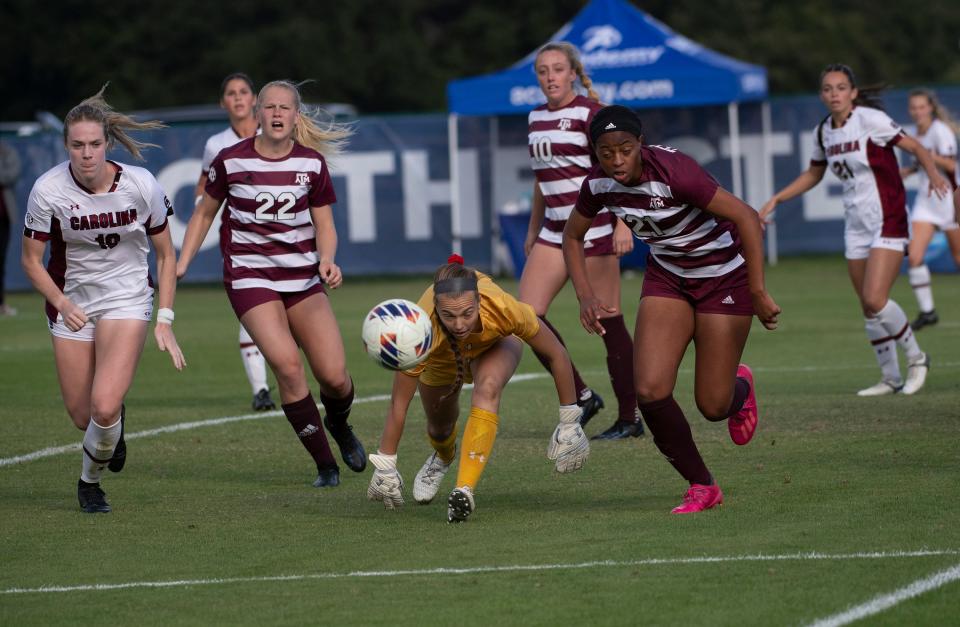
(860, 153)
(98, 242)
(561, 156)
(665, 210)
(270, 240)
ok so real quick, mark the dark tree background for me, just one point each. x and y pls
(397, 55)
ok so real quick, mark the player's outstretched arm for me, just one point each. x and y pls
(197, 228)
(386, 484)
(166, 288)
(590, 306)
(807, 180)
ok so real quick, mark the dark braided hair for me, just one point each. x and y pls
(453, 270)
(867, 96)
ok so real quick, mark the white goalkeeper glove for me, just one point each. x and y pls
(569, 445)
(386, 484)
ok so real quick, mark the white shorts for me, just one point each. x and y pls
(858, 243)
(863, 230)
(936, 211)
(85, 334)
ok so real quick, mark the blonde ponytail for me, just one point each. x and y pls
(328, 139)
(115, 124)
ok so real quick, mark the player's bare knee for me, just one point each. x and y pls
(872, 305)
(337, 385)
(487, 389)
(713, 409)
(652, 391)
(105, 411)
(289, 373)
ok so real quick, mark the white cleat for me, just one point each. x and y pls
(882, 389)
(427, 482)
(459, 505)
(916, 375)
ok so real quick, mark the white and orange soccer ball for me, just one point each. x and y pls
(397, 334)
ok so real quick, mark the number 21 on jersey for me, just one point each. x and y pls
(284, 204)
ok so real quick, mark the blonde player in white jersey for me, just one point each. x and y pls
(936, 131)
(856, 141)
(237, 98)
(279, 246)
(99, 218)
(561, 156)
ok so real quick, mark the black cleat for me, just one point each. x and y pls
(92, 499)
(262, 400)
(351, 450)
(925, 319)
(459, 505)
(327, 477)
(590, 407)
(120, 452)
(621, 431)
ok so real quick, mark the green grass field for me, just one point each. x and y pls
(838, 501)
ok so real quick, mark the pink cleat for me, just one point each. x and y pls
(698, 498)
(743, 424)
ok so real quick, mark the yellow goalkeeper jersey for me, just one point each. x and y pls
(501, 315)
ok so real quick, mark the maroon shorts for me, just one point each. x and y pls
(728, 294)
(591, 248)
(246, 299)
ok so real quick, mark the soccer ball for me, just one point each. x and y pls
(397, 334)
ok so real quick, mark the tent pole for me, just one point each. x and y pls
(495, 266)
(453, 146)
(767, 126)
(733, 118)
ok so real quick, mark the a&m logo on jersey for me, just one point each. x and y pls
(564, 124)
(656, 203)
(302, 178)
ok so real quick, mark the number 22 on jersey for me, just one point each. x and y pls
(284, 203)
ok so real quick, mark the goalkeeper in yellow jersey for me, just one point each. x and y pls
(478, 330)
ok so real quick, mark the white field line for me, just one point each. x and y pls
(814, 556)
(886, 601)
(184, 426)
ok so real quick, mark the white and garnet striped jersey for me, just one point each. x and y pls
(98, 242)
(270, 240)
(561, 156)
(665, 210)
(224, 139)
(860, 154)
(940, 140)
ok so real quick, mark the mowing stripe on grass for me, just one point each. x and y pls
(184, 426)
(101, 587)
(886, 601)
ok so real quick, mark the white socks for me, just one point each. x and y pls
(98, 445)
(253, 362)
(894, 320)
(885, 349)
(920, 282)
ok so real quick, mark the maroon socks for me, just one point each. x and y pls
(304, 417)
(620, 366)
(671, 434)
(338, 409)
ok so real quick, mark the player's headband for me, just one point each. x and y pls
(612, 119)
(456, 285)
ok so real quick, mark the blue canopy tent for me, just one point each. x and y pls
(633, 60)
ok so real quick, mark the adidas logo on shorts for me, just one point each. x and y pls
(728, 300)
